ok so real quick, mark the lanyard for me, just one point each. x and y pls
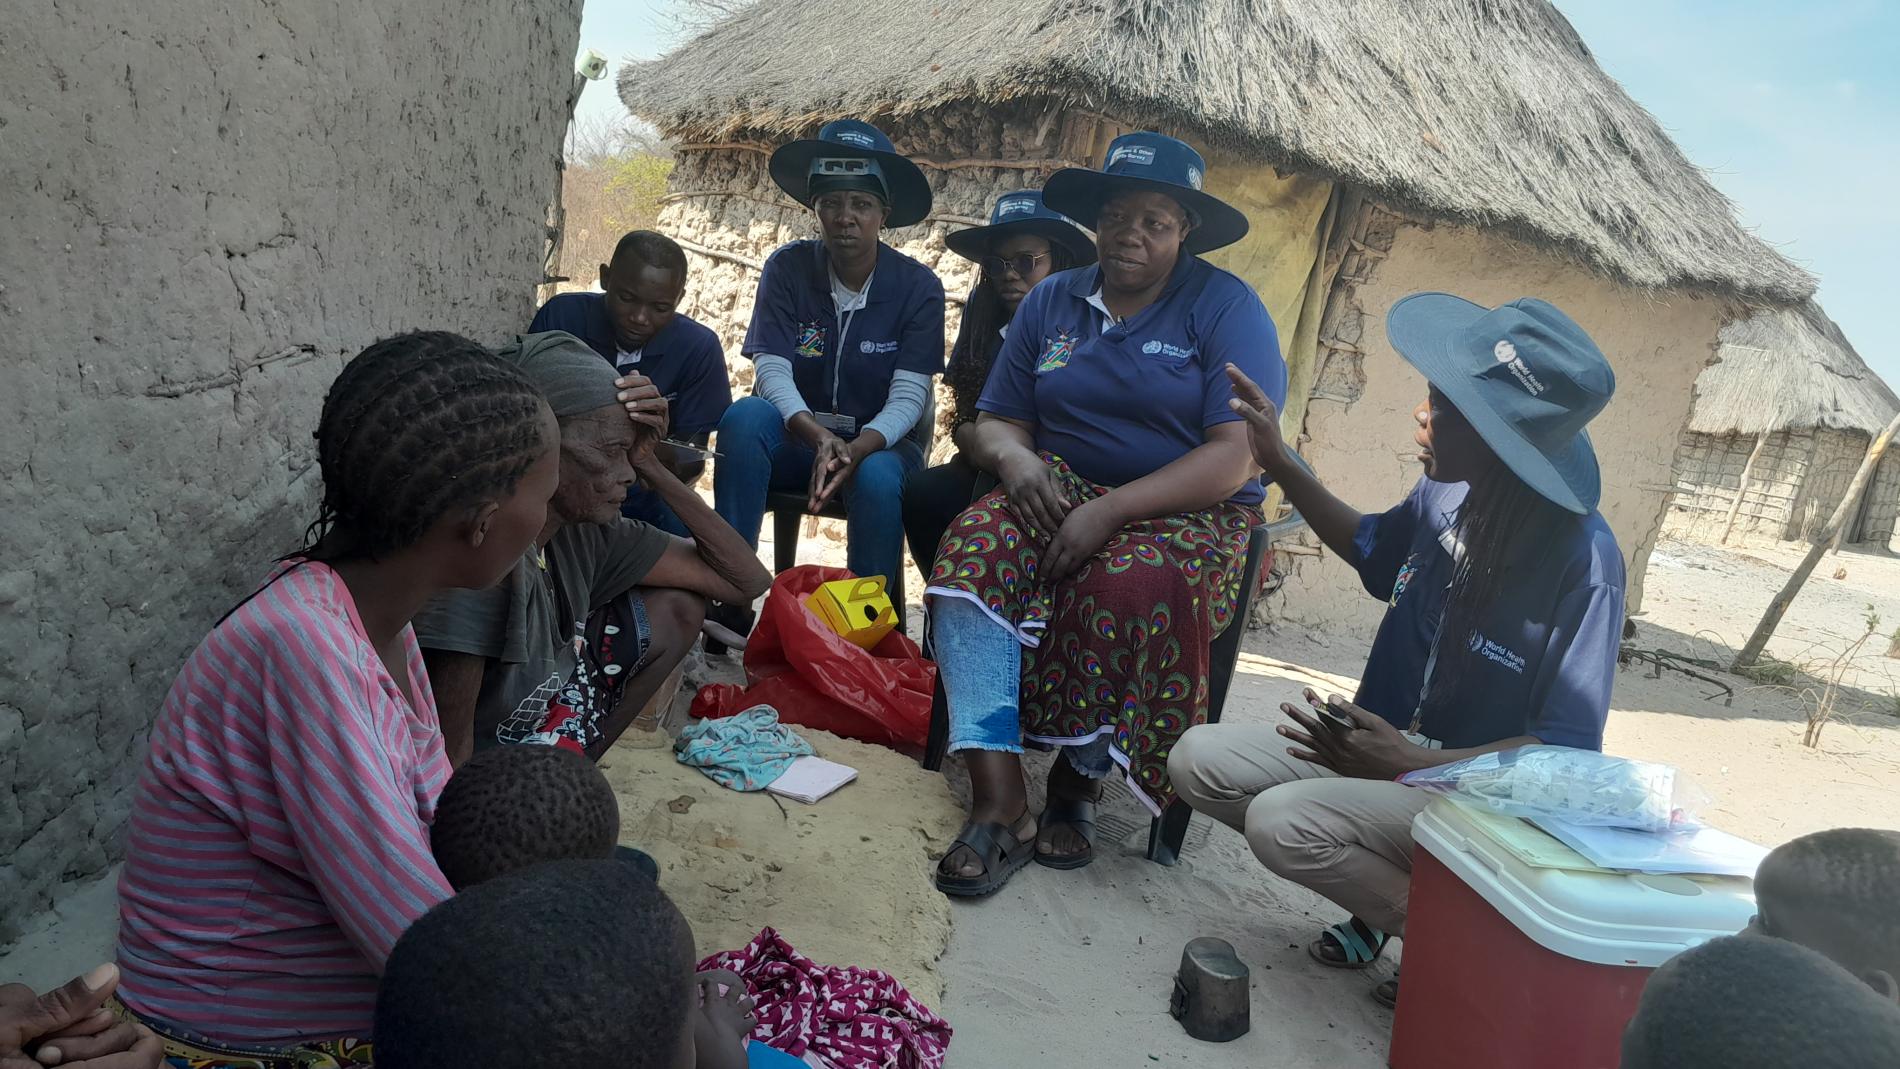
(837, 360)
(1447, 538)
(1425, 687)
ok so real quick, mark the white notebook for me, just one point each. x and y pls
(811, 778)
(1701, 851)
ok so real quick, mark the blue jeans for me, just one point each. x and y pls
(758, 456)
(981, 664)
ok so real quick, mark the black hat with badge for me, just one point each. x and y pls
(1147, 162)
(853, 154)
(1023, 212)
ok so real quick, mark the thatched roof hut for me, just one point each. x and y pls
(1780, 423)
(1465, 145)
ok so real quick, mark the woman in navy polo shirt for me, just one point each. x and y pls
(1504, 594)
(846, 335)
(1024, 244)
(1113, 550)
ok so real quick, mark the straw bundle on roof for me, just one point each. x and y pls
(1789, 369)
(1490, 112)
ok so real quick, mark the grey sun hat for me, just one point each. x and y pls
(1525, 376)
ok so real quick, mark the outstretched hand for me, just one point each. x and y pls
(1263, 421)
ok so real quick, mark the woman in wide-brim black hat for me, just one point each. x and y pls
(1023, 244)
(846, 336)
(1113, 550)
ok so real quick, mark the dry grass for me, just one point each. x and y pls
(1492, 113)
(1789, 369)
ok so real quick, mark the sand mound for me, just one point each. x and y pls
(847, 881)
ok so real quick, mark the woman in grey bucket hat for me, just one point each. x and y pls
(1504, 608)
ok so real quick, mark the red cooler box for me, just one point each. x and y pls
(1510, 963)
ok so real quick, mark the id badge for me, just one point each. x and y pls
(1419, 740)
(837, 423)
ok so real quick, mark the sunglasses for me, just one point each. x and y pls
(1021, 266)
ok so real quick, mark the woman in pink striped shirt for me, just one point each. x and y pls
(279, 839)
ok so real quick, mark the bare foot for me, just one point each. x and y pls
(724, 1020)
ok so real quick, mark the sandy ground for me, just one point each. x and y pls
(838, 879)
(1075, 968)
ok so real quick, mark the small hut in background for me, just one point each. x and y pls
(1471, 146)
(1779, 427)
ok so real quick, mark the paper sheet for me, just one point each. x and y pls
(811, 778)
(1705, 851)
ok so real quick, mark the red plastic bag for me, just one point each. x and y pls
(813, 677)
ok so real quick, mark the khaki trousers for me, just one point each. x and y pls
(1347, 839)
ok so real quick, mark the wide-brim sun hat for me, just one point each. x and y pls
(906, 190)
(1023, 212)
(1146, 162)
(1524, 375)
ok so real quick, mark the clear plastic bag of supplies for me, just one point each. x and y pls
(1576, 786)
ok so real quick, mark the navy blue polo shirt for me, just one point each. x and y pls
(846, 367)
(684, 360)
(1544, 658)
(1121, 401)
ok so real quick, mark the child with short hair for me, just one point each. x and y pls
(581, 964)
(513, 808)
(510, 807)
(1749, 1002)
(1834, 892)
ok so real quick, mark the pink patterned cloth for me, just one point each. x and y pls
(850, 1017)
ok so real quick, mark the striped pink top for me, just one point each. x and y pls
(279, 838)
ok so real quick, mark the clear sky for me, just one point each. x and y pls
(1792, 105)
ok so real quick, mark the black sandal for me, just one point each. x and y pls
(1000, 851)
(1078, 813)
(1387, 994)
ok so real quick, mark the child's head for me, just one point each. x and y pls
(1749, 1002)
(1838, 892)
(510, 807)
(575, 964)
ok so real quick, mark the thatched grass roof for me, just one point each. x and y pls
(1490, 112)
(1789, 369)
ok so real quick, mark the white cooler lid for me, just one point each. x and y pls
(1601, 917)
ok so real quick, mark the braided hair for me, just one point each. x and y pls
(417, 426)
(978, 339)
(1506, 529)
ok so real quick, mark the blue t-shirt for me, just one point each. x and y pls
(684, 360)
(846, 367)
(1543, 660)
(1123, 402)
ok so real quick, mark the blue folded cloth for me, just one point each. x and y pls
(745, 752)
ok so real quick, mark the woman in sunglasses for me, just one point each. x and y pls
(1024, 244)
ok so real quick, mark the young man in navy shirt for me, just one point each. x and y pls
(1504, 595)
(634, 323)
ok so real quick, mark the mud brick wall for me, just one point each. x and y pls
(207, 208)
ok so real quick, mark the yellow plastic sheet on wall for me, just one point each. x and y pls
(1283, 259)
